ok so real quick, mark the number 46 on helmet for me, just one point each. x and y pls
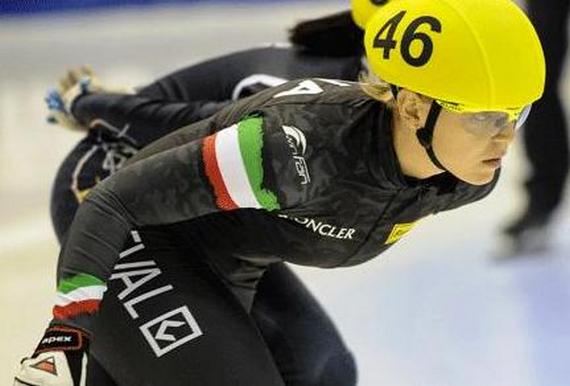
(468, 55)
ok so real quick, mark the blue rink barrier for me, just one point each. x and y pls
(16, 7)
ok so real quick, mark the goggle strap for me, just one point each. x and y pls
(395, 89)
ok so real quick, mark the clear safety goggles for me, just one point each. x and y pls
(488, 122)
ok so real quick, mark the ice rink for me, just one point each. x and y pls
(436, 310)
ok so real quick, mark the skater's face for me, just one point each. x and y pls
(471, 145)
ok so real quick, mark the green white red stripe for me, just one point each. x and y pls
(234, 166)
(80, 294)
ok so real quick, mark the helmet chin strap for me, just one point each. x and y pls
(425, 134)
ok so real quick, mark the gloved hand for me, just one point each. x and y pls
(57, 361)
(74, 84)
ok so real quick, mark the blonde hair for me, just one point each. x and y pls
(381, 90)
(376, 88)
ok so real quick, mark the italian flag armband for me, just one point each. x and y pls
(233, 162)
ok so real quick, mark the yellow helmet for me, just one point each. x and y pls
(362, 10)
(468, 55)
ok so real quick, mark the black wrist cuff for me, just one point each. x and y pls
(60, 338)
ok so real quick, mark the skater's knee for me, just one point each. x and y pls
(339, 370)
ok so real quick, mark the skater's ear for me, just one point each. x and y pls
(412, 108)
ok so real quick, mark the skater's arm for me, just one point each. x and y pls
(143, 119)
(222, 172)
(248, 162)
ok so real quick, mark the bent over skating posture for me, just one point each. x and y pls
(285, 312)
(316, 172)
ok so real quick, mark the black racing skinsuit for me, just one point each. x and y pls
(321, 186)
(177, 99)
(302, 339)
